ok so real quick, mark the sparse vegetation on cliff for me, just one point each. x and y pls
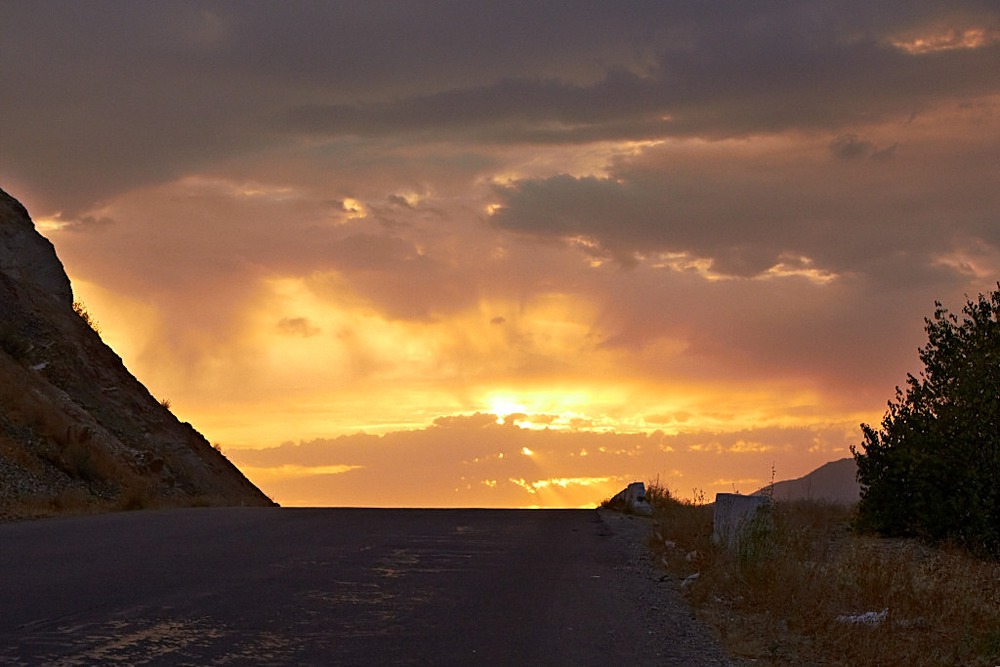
(78, 432)
(80, 309)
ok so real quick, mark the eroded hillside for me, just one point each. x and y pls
(77, 430)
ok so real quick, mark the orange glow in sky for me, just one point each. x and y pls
(464, 256)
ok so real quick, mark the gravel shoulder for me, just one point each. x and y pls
(677, 637)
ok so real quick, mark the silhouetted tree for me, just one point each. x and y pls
(933, 469)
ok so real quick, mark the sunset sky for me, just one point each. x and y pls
(511, 253)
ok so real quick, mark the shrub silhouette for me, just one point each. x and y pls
(933, 468)
(80, 309)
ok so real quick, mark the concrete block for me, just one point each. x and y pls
(632, 499)
(733, 515)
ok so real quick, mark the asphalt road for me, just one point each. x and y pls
(334, 586)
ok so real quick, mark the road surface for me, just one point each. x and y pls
(270, 586)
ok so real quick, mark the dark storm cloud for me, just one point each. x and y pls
(744, 93)
(756, 210)
(113, 95)
(714, 75)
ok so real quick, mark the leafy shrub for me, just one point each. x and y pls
(933, 469)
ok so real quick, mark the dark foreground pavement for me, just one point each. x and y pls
(337, 586)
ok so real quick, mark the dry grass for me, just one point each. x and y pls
(786, 604)
(80, 309)
(68, 444)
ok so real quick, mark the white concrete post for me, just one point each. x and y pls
(632, 499)
(733, 513)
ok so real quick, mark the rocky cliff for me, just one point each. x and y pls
(78, 431)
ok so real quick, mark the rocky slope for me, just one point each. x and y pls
(78, 432)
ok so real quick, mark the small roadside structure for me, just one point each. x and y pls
(738, 519)
(632, 499)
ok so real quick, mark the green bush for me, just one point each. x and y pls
(933, 469)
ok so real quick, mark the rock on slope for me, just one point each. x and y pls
(77, 430)
(835, 482)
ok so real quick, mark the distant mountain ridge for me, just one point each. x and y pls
(77, 430)
(834, 482)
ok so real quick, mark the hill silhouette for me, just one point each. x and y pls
(835, 482)
(78, 431)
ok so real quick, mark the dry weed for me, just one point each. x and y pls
(818, 593)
